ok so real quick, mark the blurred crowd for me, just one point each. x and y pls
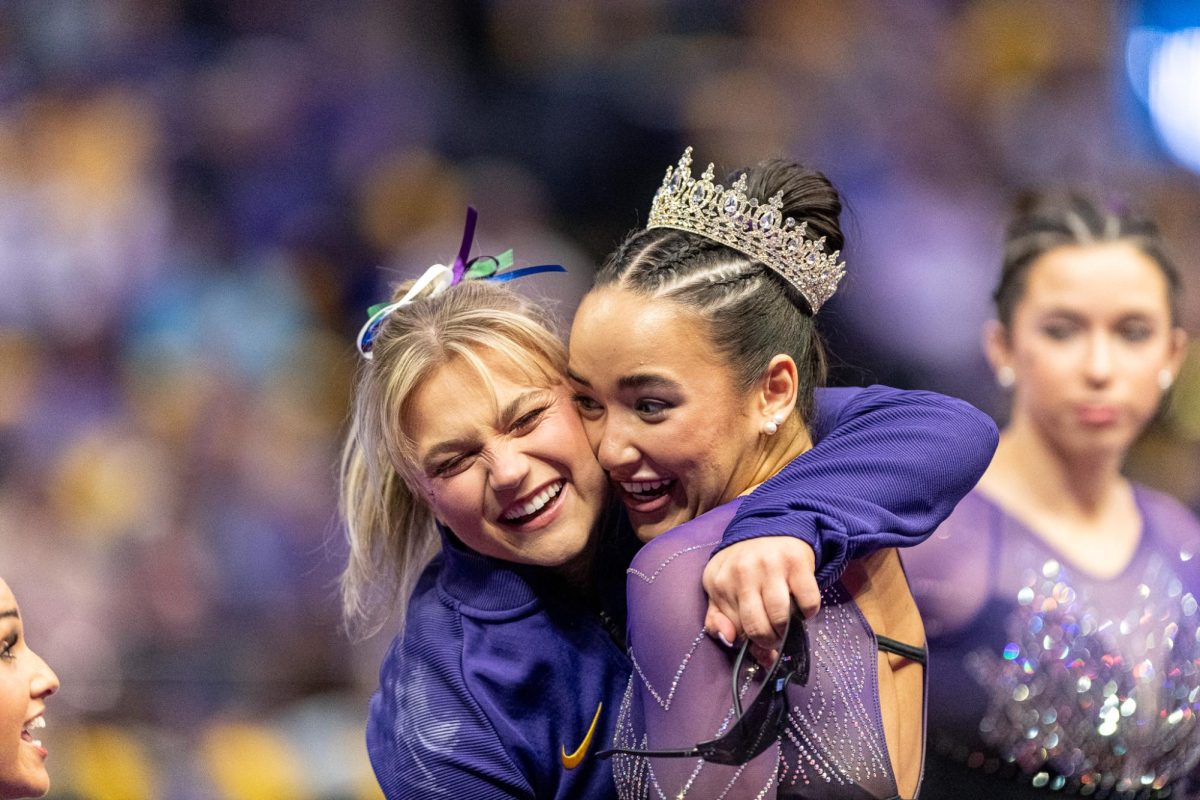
(199, 201)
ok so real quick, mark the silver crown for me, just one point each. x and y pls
(757, 230)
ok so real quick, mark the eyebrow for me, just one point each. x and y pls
(640, 380)
(507, 413)
(10, 612)
(646, 380)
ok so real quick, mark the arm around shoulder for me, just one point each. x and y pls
(889, 467)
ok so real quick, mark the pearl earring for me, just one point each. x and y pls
(771, 426)
(1165, 379)
(1006, 376)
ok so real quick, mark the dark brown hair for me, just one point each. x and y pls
(752, 313)
(1044, 220)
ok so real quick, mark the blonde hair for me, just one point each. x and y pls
(390, 528)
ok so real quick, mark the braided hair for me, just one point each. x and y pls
(752, 313)
(1043, 221)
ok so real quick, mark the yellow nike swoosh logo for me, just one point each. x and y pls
(575, 759)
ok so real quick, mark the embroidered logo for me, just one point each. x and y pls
(575, 759)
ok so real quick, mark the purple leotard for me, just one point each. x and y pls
(1044, 679)
(679, 694)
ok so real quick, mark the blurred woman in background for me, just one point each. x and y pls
(25, 683)
(1060, 598)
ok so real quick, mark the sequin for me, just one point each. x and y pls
(1088, 695)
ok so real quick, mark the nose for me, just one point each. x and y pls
(45, 681)
(509, 466)
(1099, 366)
(616, 450)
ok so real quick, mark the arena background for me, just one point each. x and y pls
(199, 200)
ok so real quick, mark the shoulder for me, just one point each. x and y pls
(965, 534)
(692, 540)
(425, 658)
(1162, 507)
(1170, 521)
(426, 732)
(950, 572)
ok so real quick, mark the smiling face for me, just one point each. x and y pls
(506, 467)
(25, 683)
(661, 408)
(1087, 342)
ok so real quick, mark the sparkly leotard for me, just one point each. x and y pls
(1046, 680)
(679, 694)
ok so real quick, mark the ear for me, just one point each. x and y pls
(779, 387)
(1178, 351)
(996, 344)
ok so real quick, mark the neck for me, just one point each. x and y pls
(791, 440)
(1031, 470)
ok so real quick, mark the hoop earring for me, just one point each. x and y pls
(1006, 376)
(1165, 379)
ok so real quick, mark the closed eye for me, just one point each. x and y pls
(1059, 331)
(526, 422)
(452, 466)
(1135, 331)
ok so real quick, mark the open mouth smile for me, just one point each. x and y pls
(29, 731)
(645, 491)
(529, 509)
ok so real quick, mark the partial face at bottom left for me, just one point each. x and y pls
(25, 683)
(507, 467)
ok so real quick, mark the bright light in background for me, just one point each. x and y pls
(1164, 70)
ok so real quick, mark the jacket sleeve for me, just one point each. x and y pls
(887, 467)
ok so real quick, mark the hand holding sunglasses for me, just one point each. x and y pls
(762, 722)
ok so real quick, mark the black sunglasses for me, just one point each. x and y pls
(762, 723)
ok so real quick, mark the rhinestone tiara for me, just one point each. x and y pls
(758, 230)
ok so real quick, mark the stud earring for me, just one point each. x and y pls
(1006, 376)
(1165, 379)
(771, 426)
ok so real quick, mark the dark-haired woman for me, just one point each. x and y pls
(694, 360)
(1060, 597)
(25, 683)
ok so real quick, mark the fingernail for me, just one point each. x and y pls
(724, 641)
